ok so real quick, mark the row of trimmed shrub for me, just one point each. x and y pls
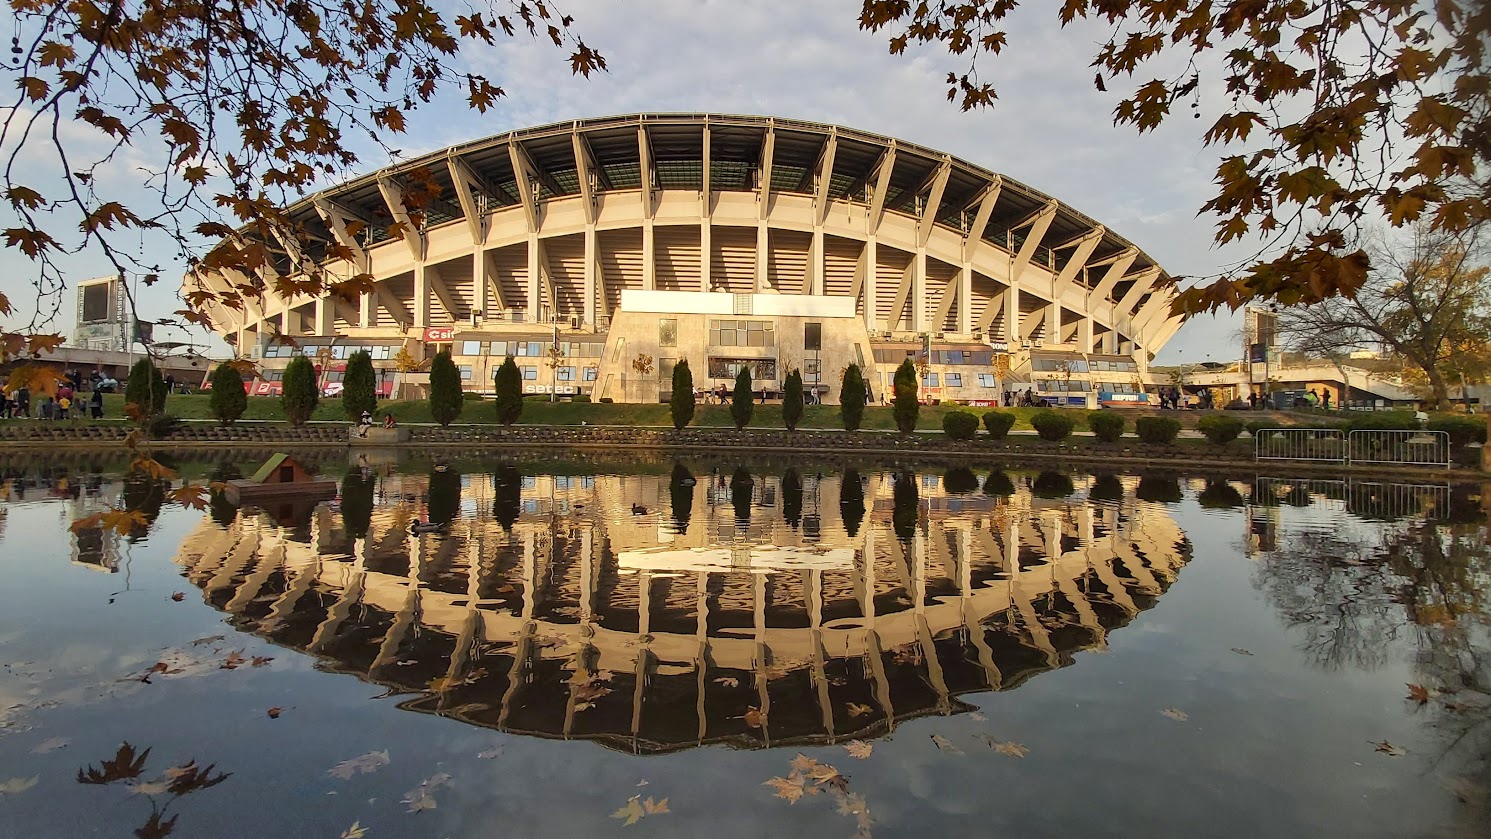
(1055, 426)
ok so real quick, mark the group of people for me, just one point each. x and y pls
(1024, 399)
(365, 422)
(66, 404)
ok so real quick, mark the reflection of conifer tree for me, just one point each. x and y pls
(1052, 485)
(792, 498)
(852, 501)
(1106, 488)
(960, 480)
(741, 486)
(906, 506)
(681, 496)
(222, 512)
(145, 495)
(507, 495)
(357, 504)
(998, 483)
(445, 496)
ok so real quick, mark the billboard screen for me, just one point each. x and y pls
(96, 302)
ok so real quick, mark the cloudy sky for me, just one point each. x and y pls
(809, 60)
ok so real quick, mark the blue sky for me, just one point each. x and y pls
(1050, 128)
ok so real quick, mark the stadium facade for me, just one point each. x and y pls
(600, 252)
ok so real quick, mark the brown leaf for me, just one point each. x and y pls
(1175, 714)
(1418, 693)
(274, 713)
(946, 745)
(1390, 749)
(364, 764)
(859, 749)
(803, 763)
(755, 717)
(179, 596)
(1004, 747)
(233, 661)
(857, 710)
(261, 660)
(789, 788)
(631, 812)
(655, 807)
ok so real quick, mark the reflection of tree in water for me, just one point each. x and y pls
(222, 511)
(1106, 487)
(507, 495)
(1052, 485)
(792, 498)
(1354, 592)
(1219, 494)
(960, 480)
(357, 503)
(1326, 585)
(741, 487)
(145, 495)
(445, 495)
(852, 501)
(998, 483)
(681, 497)
(906, 505)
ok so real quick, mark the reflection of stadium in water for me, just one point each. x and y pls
(654, 615)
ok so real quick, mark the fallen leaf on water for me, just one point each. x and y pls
(1240, 651)
(422, 797)
(362, 763)
(857, 710)
(233, 660)
(655, 807)
(1418, 693)
(977, 717)
(51, 744)
(1004, 747)
(859, 749)
(642, 783)
(261, 660)
(728, 681)
(946, 745)
(1390, 749)
(1457, 707)
(803, 763)
(490, 754)
(15, 786)
(823, 773)
(356, 831)
(755, 717)
(631, 812)
(150, 787)
(1175, 714)
(274, 713)
(179, 596)
(789, 788)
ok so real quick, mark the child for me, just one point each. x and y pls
(62, 405)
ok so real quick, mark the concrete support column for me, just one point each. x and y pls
(1053, 322)
(421, 302)
(813, 282)
(763, 252)
(871, 320)
(919, 293)
(326, 316)
(965, 299)
(1012, 317)
(591, 280)
(1084, 334)
(649, 256)
(480, 290)
(535, 269)
(1110, 342)
(706, 247)
(365, 306)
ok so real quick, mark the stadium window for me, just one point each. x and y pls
(530, 374)
(986, 380)
(667, 332)
(954, 379)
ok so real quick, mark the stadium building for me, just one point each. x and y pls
(600, 252)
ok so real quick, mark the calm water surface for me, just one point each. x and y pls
(745, 650)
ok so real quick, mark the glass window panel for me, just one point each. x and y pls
(954, 379)
(530, 374)
(667, 332)
(470, 348)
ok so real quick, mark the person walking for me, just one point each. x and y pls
(96, 402)
(23, 401)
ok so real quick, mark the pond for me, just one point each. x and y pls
(744, 648)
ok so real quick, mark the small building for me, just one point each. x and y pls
(281, 477)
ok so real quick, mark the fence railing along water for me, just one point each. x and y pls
(1330, 445)
(1369, 499)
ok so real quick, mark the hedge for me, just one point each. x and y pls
(959, 425)
(999, 423)
(1220, 428)
(1157, 430)
(1052, 427)
(1462, 430)
(1107, 426)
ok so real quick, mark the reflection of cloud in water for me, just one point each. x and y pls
(552, 607)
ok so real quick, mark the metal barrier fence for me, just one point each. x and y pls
(1326, 445)
(1329, 445)
(1410, 448)
(1368, 499)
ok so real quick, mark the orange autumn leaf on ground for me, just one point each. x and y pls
(1418, 693)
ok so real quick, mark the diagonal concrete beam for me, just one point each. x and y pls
(1116, 270)
(986, 201)
(934, 201)
(393, 196)
(1085, 245)
(1039, 223)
